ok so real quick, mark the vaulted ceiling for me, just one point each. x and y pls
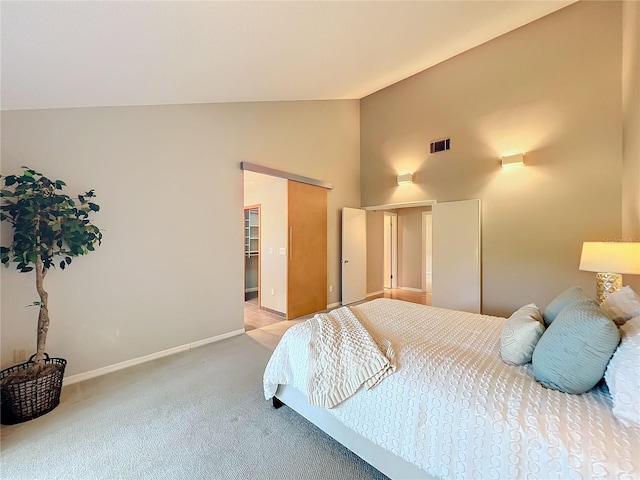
(80, 53)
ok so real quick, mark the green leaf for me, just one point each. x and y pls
(94, 207)
(63, 265)
(10, 180)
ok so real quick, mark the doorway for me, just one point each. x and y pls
(292, 244)
(265, 237)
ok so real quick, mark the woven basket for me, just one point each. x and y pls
(30, 399)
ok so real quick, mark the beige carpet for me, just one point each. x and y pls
(195, 415)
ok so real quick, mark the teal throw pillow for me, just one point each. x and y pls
(566, 298)
(574, 351)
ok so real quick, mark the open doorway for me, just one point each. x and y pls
(265, 200)
(293, 239)
(400, 255)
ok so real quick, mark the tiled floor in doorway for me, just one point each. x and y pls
(255, 317)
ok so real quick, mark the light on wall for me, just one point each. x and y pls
(513, 160)
(609, 260)
(405, 178)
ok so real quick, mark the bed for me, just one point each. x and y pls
(452, 408)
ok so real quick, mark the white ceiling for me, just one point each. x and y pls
(82, 53)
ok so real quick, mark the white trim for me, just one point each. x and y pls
(424, 203)
(427, 247)
(333, 305)
(391, 250)
(411, 289)
(375, 293)
(146, 358)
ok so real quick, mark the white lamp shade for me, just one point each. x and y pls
(614, 257)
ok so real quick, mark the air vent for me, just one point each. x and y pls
(440, 145)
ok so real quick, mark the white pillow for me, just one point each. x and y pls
(623, 375)
(521, 334)
(622, 305)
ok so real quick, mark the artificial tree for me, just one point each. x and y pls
(48, 226)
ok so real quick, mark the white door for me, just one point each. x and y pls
(354, 255)
(456, 255)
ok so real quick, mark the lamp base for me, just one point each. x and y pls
(606, 284)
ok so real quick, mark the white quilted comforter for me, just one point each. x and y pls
(455, 410)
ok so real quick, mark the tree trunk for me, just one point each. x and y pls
(43, 315)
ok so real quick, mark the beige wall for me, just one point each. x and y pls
(170, 270)
(631, 131)
(551, 89)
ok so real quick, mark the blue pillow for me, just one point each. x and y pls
(569, 296)
(574, 351)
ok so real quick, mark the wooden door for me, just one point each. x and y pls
(307, 251)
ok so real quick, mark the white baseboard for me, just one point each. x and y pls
(375, 293)
(146, 358)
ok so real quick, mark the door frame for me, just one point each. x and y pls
(427, 247)
(392, 251)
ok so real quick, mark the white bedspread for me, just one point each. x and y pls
(455, 410)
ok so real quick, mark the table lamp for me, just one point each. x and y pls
(610, 260)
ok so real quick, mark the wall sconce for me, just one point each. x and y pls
(513, 160)
(609, 260)
(405, 178)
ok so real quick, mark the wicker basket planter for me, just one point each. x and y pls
(27, 399)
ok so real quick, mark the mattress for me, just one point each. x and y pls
(455, 410)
